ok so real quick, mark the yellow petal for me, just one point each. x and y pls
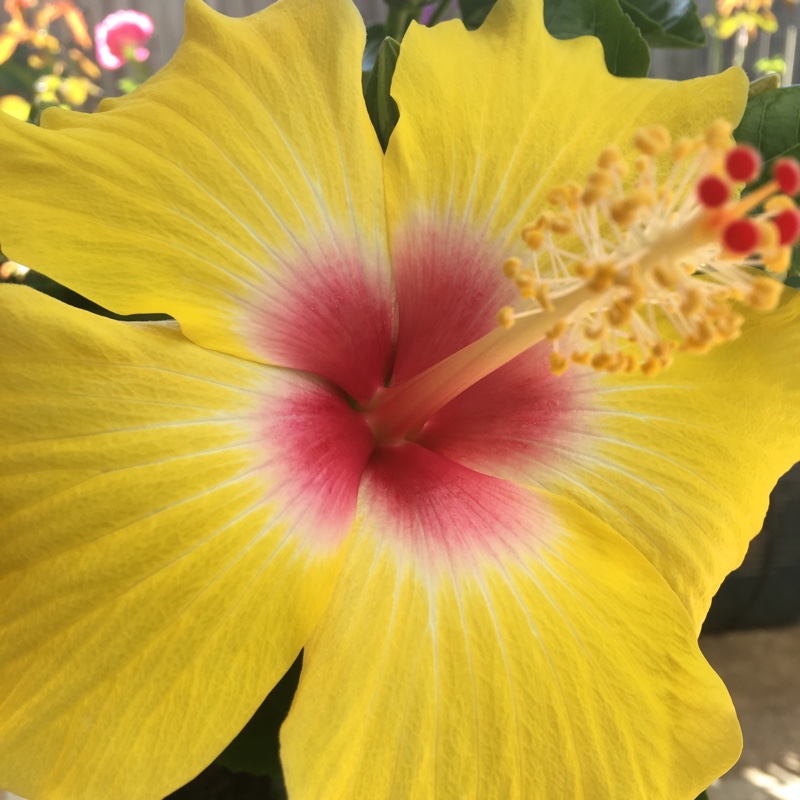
(682, 464)
(571, 671)
(158, 573)
(492, 120)
(225, 191)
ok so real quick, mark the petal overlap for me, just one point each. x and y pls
(159, 566)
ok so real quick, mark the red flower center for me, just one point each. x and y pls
(444, 490)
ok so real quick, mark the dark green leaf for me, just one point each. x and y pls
(256, 749)
(474, 12)
(627, 54)
(703, 796)
(667, 23)
(793, 274)
(382, 108)
(771, 124)
(375, 36)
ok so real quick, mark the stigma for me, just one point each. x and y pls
(661, 247)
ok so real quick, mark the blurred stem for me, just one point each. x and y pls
(439, 12)
(740, 45)
(715, 54)
(397, 22)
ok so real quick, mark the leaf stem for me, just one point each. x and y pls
(396, 22)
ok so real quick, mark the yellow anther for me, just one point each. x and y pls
(617, 363)
(645, 196)
(769, 237)
(600, 178)
(533, 236)
(663, 352)
(583, 269)
(603, 278)
(609, 156)
(641, 163)
(556, 331)
(718, 134)
(645, 143)
(692, 301)
(583, 358)
(666, 277)
(594, 334)
(683, 148)
(704, 332)
(652, 141)
(505, 317)
(592, 195)
(511, 268)
(651, 367)
(778, 260)
(558, 364)
(618, 314)
(764, 293)
(600, 360)
(694, 345)
(778, 203)
(730, 327)
(717, 309)
(573, 190)
(525, 279)
(624, 210)
(632, 281)
(542, 295)
(664, 195)
(562, 224)
(630, 363)
(543, 221)
(621, 169)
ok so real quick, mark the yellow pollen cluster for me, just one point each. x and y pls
(648, 239)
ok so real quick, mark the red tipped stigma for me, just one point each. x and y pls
(787, 175)
(788, 225)
(741, 236)
(712, 191)
(743, 163)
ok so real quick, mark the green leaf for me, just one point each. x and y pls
(771, 124)
(627, 53)
(375, 36)
(382, 108)
(667, 23)
(256, 748)
(474, 12)
(703, 796)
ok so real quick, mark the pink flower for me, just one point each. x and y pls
(120, 35)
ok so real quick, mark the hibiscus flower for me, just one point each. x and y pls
(122, 36)
(501, 600)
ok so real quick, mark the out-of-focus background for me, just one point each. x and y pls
(50, 53)
(751, 37)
